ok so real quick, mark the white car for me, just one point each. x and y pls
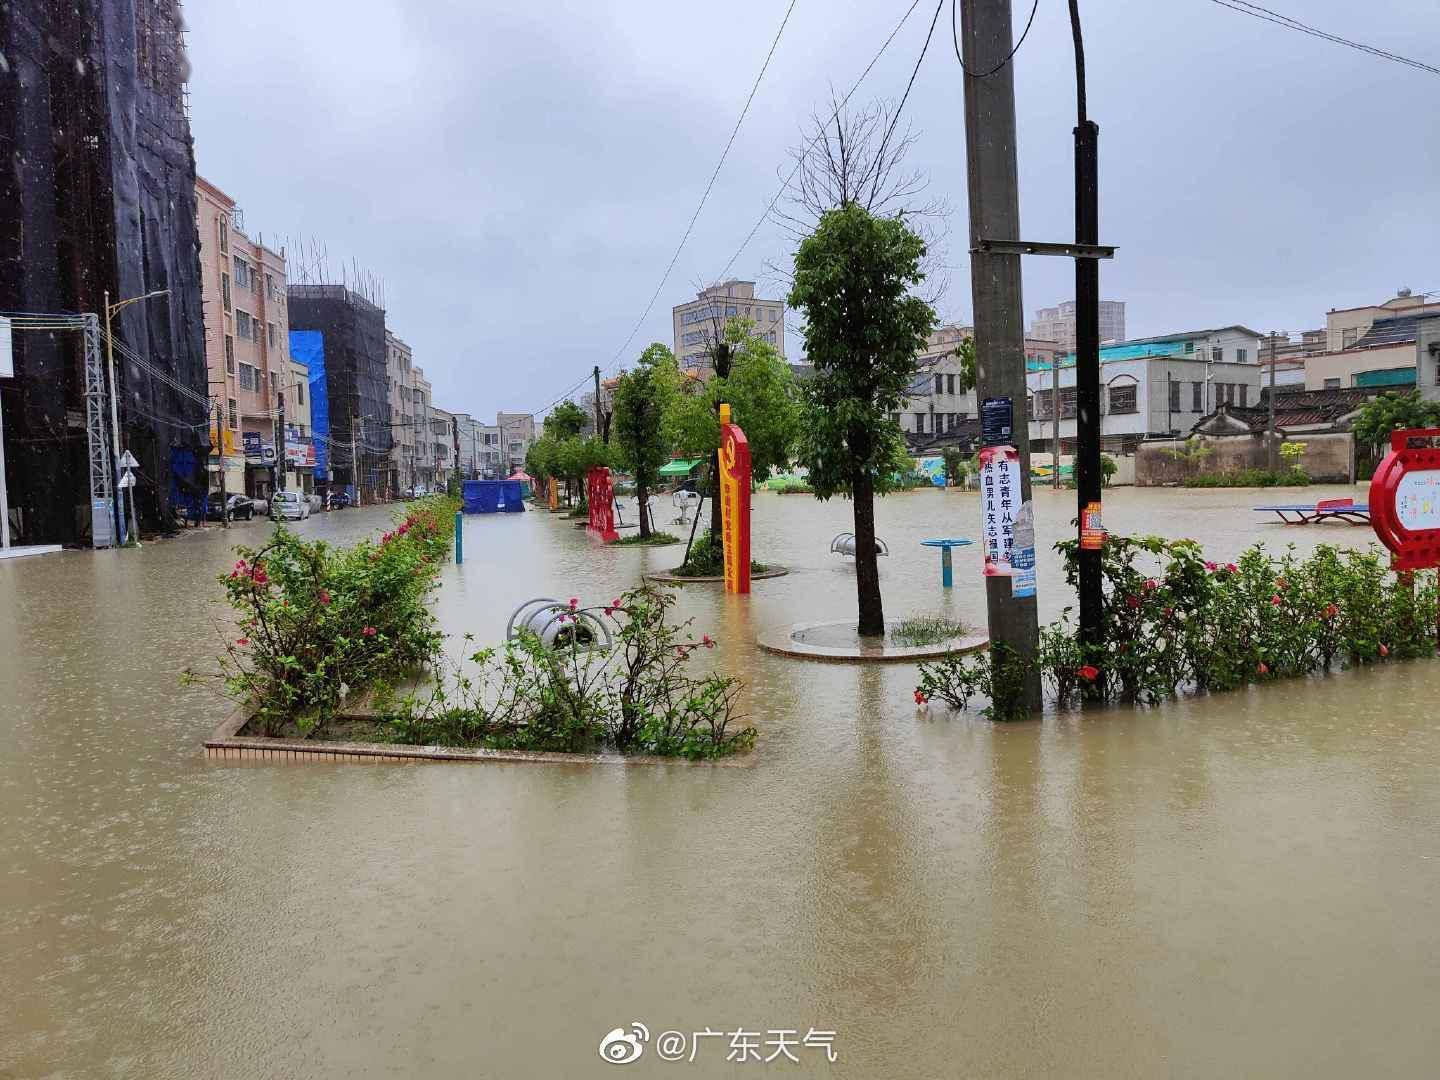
(289, 506)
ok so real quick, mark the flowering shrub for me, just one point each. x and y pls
(317, 622)
(635, 698)
(1175, 622)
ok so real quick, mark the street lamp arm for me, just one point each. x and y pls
(112, 308)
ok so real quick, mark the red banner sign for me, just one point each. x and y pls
(600, 494)
(735, 503)
(1405, 499)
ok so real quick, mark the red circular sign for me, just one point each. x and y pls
(1405, 499)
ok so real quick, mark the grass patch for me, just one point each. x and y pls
(926, 630)
(689, 570)
(658, 539)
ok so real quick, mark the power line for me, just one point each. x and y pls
(955, 37)
(684, 239)
(894, 120)
(1266, 15)
(765, 214)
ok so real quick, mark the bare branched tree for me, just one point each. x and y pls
(858, 157)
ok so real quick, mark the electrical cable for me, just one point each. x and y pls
(894, 120)
(1267, 15)
(955, 37)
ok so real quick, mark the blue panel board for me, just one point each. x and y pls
(514, 497)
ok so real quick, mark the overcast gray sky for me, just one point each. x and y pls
(519, 173)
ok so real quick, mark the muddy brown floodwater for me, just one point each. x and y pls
(1243, 884)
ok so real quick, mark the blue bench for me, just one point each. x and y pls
(1346, 510)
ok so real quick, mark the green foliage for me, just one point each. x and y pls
(1193, 452)
(1291, 477)
(655, 539)
(966, 352)
(568, 459)
(956, 467)
(637, 698)
(707, 559)
(764, 400)
(452, 485)
(863, 330)
(1292, 452)
(566, 421)
(318, 622)
(643, 398)
(1392, 412)
(1108, 467)
(1176, 623)
(926, 630)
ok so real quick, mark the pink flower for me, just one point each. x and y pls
(920, 697)
(369, 631)
(324, 597)
(574, 602)
(1151, 584)
(615, 603)
(1331, 611)
(1384, 650)
(1211, 566)
(707, 641)
(1133, 602)
(1275, 600)
(242, 642)
(1231, 567)
(1089, 672)
(1169, 611)
(680, 650)
(1262, 668)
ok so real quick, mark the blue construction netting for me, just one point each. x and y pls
(308, 347)
(513, 496)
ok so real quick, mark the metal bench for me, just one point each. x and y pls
(1346, 510)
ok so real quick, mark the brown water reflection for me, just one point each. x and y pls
(1237, 884)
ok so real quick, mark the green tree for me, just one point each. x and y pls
(566, 420)
(864, 327)
(764, 401)
(642, 400)
(966, 352)
(956, 468)
(1391, 412)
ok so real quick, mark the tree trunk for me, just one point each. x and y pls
(716, 528)
(640, 494)
(867, 567)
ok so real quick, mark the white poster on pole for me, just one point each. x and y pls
(999, 503)
(7, 351)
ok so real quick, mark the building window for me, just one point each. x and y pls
(1347, 338)
(895, 418)
(1174, 405)
(273, 332)
(225, 289)
(1332, 384)
(247, 377)
(274, 382)
(1242, 355)
(1217, 355)
(299, 393)
(224, 235)
(950, 384)
(940, 423)
(1043, 410)
(939, 384)
(1197, 398)
(919, 423)
(270, 286)
(1067, 403)
(234, 414)
(1244, 395)
(242, 273)
(1189, 347)
(229, 354)
(1122, 399)
(242, 323)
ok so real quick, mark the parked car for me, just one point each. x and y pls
(236, 508)
(289, 506)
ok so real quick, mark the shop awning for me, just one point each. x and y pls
(678, 468)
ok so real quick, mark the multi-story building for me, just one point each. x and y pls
(517, 434)
(247, 335)
(1345, 327)
(400, 382)
(699, 323)
(938, 404)
(1058, 323)
(1391, 353)
(299, 432)
(490, 456)
(422, 437)
(1150, 386)
(353, 332)
(443, 444)
(97, 206)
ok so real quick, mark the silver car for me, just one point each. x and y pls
(289, 506)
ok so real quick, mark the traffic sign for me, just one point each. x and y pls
(127, 461)
(128, 480)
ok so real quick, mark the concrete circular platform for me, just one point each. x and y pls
(666, 577)
(837, 641)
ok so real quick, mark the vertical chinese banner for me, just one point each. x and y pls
(554, 494)
(600, 493)
(999, 504)
(735, 503)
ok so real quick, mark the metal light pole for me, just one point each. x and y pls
(110, 310)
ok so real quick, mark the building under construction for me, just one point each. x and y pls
(353, 331)
(97, 197)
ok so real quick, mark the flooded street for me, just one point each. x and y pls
(1243, 884)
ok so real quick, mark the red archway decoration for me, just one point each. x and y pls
(1405, 499)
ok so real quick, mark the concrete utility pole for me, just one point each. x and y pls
(354, 460)
(1055, 417)
(1273, 450)
(995, 283)
(598, 433)
(220, 442)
